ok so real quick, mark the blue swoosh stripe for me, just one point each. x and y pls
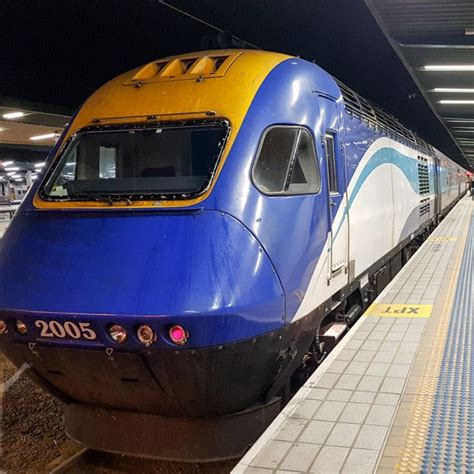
(381, 157)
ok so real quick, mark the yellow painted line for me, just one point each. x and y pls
(442, 239)
(415, 434)
(394, 310)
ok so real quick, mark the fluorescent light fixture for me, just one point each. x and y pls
(40, 165)
(44, 137)
(14, 176)
(13, 115)
(469, 31)
(18, 179)
(7, 163)
(12, 168)
(458, 120)
(456, 102)
(454, 90)
(11, 174)
(449, 67)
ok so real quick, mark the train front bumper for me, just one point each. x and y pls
(181, 383)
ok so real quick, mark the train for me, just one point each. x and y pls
(205, 230)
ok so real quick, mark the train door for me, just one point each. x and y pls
(437, 189)
(334, 164)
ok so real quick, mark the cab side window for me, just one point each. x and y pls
(331, 163)
(286, 163)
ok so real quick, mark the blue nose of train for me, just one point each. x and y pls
(202, 269)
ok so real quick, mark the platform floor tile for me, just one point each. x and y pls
(370, 404)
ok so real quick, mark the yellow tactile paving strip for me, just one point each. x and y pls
(406, 440)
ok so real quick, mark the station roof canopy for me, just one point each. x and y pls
(435, 41)
(59, 52)
(29, 126)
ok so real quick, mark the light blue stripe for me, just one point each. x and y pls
(384, 156)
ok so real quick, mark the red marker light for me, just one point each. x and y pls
(178, 335)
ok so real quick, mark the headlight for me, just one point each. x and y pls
(118, 334)
(21, 327)
(146, 335)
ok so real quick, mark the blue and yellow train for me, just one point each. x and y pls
(205, 230)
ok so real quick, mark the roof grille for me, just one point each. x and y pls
(188, 67)
(358, 107)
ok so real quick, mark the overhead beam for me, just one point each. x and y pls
(397, 43)
(435, 41)
(35, 106)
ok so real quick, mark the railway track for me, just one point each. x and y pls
(88, 461)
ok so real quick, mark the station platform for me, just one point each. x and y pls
(396, 394)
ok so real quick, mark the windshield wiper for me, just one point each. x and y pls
(110, 199)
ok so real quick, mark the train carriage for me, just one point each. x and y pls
(206, 229)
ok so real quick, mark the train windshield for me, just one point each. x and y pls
(172, 162)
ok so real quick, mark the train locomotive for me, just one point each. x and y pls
(205, 230)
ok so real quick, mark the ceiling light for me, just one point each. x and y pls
(18, 179)
(469, 31)
(454, 90)
(14, 176)
(449, 67)
(454, 101)
(7, 163)
(11, 174)
(44, 137)
(11, 168)
(13, 115)
(40, 165)
(458, 120)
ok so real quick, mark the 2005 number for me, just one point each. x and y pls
(64, 330)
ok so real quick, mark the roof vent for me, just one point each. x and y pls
(186, 67)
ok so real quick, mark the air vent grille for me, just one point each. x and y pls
(423, 176)
(188, 67)
(424, 209)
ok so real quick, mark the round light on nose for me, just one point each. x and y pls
(3, 326)
(146, 335)
(21, 327)
(178, 335)
(118, 334)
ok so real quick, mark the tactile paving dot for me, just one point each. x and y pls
(439, 435)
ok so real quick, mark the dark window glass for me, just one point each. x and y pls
(271, 169)
(331, 164)
(137, 163)
(286, 163)
(305, 174)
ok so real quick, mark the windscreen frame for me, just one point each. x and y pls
(56, 168)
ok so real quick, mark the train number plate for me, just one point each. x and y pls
(65, 330)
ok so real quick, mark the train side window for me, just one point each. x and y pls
(331, 163)
(286, 162)
(273, 163)
(305, 176)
